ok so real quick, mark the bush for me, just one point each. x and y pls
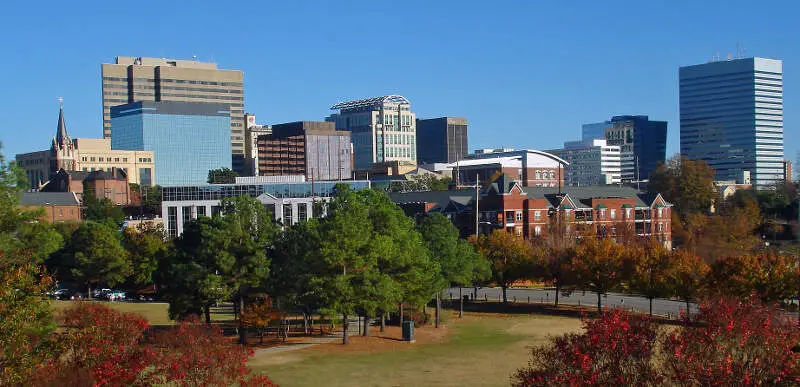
(104, 347)
(728, 343)
(732, 342)
(616, 349)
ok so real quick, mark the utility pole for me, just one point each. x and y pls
(477, 199)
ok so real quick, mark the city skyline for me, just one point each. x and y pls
(525, 75)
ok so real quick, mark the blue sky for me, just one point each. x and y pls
(526, 74)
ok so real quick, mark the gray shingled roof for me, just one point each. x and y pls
(48, 198)
(581, 196)
(441, 198)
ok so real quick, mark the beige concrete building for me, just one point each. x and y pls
(87, 155)
(134, 79)
(95, 154)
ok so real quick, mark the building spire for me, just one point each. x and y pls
(61, 133)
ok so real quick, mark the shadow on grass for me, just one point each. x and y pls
(542, 309)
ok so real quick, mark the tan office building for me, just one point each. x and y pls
(134, 79)
(87, 155)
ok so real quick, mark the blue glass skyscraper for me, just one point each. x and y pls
(643, 143)
(187, 139)
(732, 117)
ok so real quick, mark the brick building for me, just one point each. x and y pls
(532, 211)
(313, 149)
(111, 185)
(58, 206)
(532, 168)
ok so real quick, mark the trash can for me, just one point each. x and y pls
(408, 330)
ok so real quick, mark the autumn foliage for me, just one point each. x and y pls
(615, 349)
(728, 343)
(104, 347)
(731, 342)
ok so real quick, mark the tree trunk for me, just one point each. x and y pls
(366, 324)
(558, 290)
(383, 321)
(89, 291)
(651, 306)
(461, 303)
(401, 315)
(438, 308)
(305, 323)
(505, 295)
(207, 312)
(474, 293)
(261, 336)
(242, 329)
(345, 323)
(599, 304)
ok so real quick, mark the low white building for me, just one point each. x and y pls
(289, 201)
(591, 162)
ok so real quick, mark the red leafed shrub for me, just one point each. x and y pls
(733, 342)
(196, 354)
(616, 349)
(104, 347)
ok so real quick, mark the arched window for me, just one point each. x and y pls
(552, 174)
(538, 175)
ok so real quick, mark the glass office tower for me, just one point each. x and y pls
(187, 139)
(732, 117)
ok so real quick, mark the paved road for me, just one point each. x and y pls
(523, 295)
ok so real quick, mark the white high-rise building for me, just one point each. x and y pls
(382, 129)
(732, 117)
(591, 162)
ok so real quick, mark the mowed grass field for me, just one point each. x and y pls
(480, 350)
(156, 313)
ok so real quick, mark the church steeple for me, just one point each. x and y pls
(62, 151)
(61, 133)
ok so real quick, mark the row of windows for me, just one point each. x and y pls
(206, 96)
(107, 159)
(168, 80)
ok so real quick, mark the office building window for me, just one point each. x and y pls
(216, 211)
(302, 212)
(287, 214)
(172, 221)
(270, 209)
(187, 215)
(201, 211)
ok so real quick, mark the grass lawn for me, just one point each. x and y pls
(155, 312)
(481, 350)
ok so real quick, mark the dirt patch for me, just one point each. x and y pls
(391, 340)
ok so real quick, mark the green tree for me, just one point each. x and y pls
(146, 243)
(458, 261)
(688, 184)
(251, 231)
(150, 198)
(295, 263)
(95, 255)
(222, 176)
(510, 257)
(371, 257)
(103, 210)
(193, 276)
